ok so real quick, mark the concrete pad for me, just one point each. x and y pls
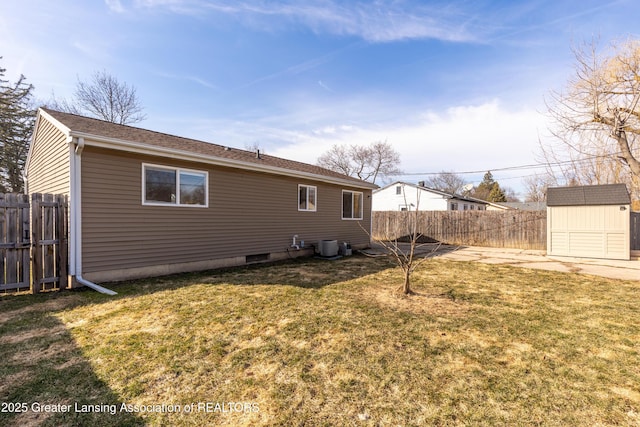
(615, 269)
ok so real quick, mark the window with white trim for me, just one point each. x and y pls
(351, 204)
(307, 195)
(166, 185)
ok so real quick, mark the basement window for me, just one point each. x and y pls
(169, 186)
(256, 258)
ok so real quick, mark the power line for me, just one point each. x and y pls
(510, 168)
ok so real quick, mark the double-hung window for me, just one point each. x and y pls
(165, 185)
(307, 198)
(351, 204)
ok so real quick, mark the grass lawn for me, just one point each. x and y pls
(312, 342)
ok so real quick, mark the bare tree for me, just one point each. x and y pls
(449, 182)
(378, 160)
(597, 117)
(254, 147)
(535, 188)
(404, 241)
(105, 98)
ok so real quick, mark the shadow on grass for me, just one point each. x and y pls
(42, 365)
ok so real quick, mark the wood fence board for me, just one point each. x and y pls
(15, 251)
(12, 231)
(635, 231)
(50, 242)
(63, 237)
(36, 231)
(48, 223)
(512, 229)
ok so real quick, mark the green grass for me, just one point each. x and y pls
(312, 342)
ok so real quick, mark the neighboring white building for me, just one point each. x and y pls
(402, 196)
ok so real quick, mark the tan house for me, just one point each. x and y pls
(589, 221)
(145, 203)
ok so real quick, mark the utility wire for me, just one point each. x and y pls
(511, 168)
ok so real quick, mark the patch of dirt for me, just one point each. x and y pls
(18, 337)
(31, 418)
(54, 304)
(571, 267)
(33, 356)
(420, 302)
(13, 380)
(627, 393)
(73, 361)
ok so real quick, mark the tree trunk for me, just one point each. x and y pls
(406, 287)
(623, 144)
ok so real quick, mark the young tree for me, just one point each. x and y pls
(105, 98)
(378, 160)
(597, 117)
(16, 124)
(408, 229)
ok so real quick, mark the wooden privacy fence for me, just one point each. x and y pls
(505, 229)
(33, 240)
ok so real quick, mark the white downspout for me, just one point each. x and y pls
(75, 263)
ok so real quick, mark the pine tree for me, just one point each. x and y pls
(483, 189)
(497, 194)
(16, 124)
(489, 190)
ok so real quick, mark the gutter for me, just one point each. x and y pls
(75, 264)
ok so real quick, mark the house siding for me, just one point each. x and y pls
(48, 169)
(249, 213)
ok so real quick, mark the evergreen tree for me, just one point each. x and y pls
(16, 124)
(497, 194)
(489, 190)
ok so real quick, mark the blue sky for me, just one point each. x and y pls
(452, 85)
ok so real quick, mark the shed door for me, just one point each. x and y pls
(589, 231)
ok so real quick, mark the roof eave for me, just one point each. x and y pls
(140, 148)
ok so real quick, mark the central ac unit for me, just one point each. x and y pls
(328, 248)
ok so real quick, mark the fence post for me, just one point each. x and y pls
(61, 229)
(25, 240)
(36, 232)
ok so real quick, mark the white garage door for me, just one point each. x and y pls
(589, 231)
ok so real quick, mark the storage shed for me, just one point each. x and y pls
(589, 221)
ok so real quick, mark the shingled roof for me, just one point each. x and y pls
(588, 195)
(91, 128)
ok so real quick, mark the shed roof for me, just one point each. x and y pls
(588, 195)
(121, 135)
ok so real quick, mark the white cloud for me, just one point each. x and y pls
(462, 138)
(114, 6)
(380, 22)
